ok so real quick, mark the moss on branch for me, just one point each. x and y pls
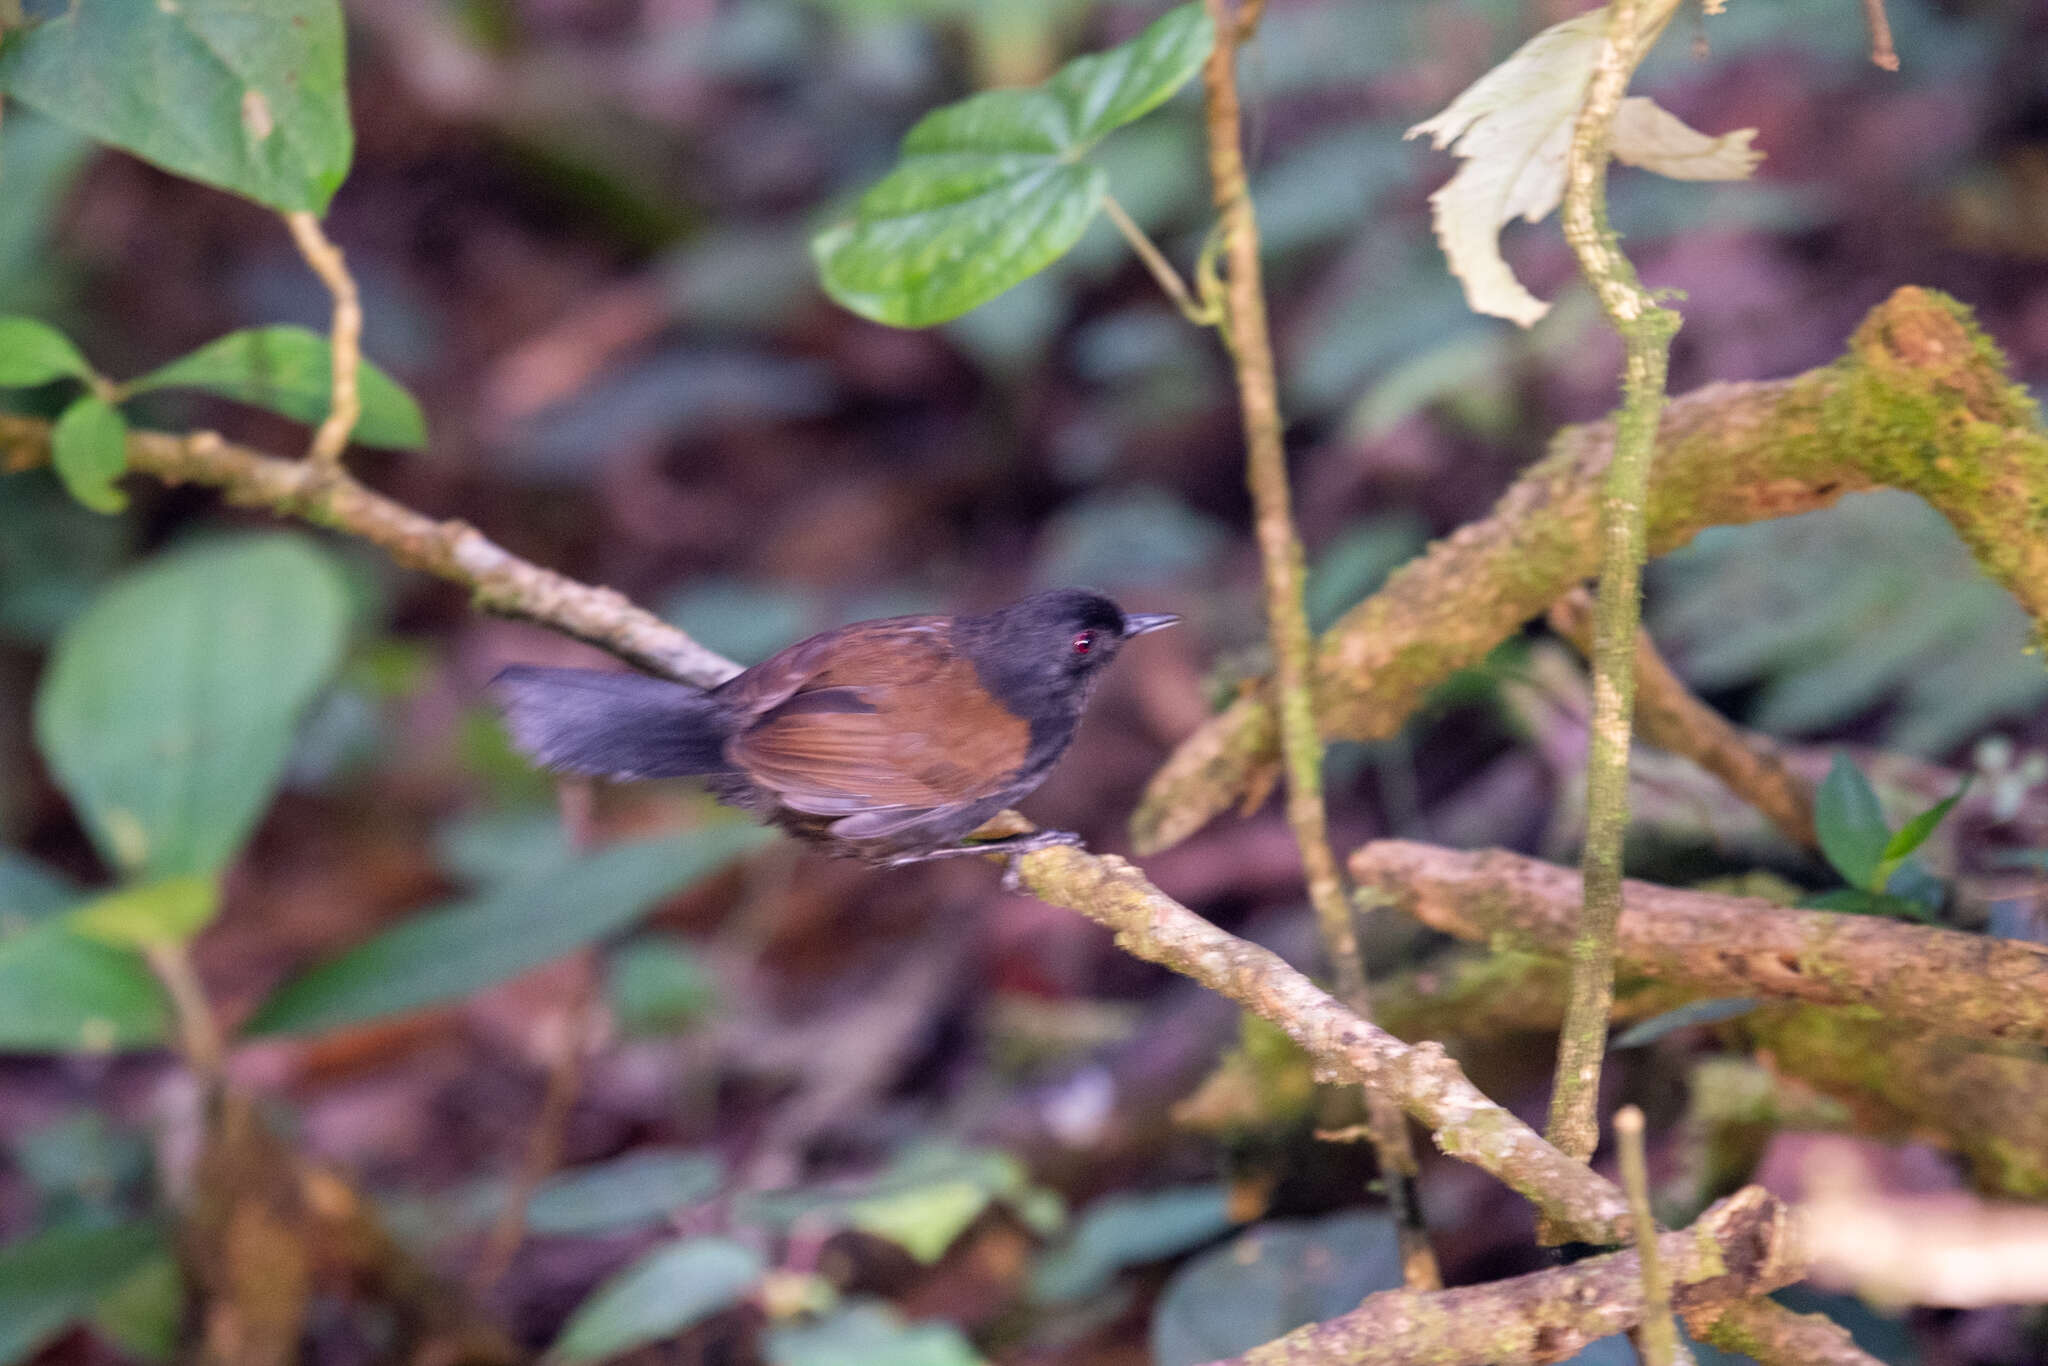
(1921, 401)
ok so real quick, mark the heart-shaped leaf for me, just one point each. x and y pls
(992, 190)
(290, 370)
(246, 97)
(168, 708)
(34, 352)
(668, 1290)
(89, 448)
(446, 953)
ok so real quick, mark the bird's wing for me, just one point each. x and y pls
(864, 734)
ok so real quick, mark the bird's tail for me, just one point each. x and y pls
(611, 725)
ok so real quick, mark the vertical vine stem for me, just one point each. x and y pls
(1656, 1335)
(1245, 332)
(344, 404)
(1646, 331)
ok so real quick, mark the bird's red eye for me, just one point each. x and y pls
(1084, 642)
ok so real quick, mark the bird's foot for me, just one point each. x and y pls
(1012, 846)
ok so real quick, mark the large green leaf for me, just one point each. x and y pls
(51, 1279)
(992, 189)
(168, 709)
(33, 352)
(453, 950)
(29, 892)
(1851, 824)
(676, 1285)
(60, 992)
(245, 96)
(290, 370)
(89, 450)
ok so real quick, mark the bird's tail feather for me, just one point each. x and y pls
(611, 725)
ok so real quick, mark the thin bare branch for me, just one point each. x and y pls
(1882, 53)
(1162, 271)
(345, 339)
(1655, 1332)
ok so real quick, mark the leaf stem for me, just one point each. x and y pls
(1646, 330)
(199, 1036)
(1280, 553)
(1163, 273)
(345, 404)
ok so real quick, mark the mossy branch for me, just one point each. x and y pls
(1921, 401)
(1941, 981)
(1244, 328)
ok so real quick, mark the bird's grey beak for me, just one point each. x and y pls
(1138, 623)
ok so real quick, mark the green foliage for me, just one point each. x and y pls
(508, 929)
(89, 450)
(50, 1280)
(145, 1314)
(247, 98)
(168, 911)
(29, 892)
(168, 709)
(54, 555)
(290, 370)
(641, 1187)
(924, 1200)
(59, 991)
(869, 1334)
(1129, 1230)
(1872, 858)
(991, 190)
(33, 352)
(1873, 601)
(1270, 1280)
(663, 1293)
(1851, 824)
(658, 985)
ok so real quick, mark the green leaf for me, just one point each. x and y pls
(1850, 823)
(639, 1188)
(673, 1287)
(659, 986)
(1692, 1013)
(991, 190)
(34, 352)
(54, 554)
(89, 448)
(1914, 832)
(1129, 1230)
(168, 911)
(869, 1334)
(50, 1280)
(168, 709)
(1269, 1280)
(145, 1314)
(453, 950)
(29, 892)
(246, 97)
(290, 370)
(61, 993)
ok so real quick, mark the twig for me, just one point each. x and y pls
(1656, 1333)
(1669, 716)
(345, 404)
(1940, 980)
(1882, 53)
(199, 1038)
(1163, 273)
(1920, 402)
(1746, 1244)
(499, 581)
(1646, 331)
(1280, 554)
(566, 1036)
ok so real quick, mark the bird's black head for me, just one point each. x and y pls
(1041, 656)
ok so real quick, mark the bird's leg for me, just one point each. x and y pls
(1010, 846)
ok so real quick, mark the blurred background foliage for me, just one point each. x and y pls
(580, 228)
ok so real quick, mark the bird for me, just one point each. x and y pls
(891, 740)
